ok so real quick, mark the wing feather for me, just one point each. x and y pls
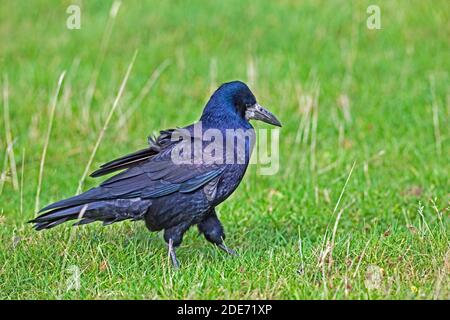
(155, 146)
(151, 173)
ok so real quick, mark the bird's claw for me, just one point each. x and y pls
(230, 251)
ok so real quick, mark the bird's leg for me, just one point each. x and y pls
(173, 237)
(213, 231)
(172, 255)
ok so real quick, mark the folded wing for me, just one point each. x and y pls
(155, 146)
(149, 174)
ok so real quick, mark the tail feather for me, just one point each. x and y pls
(83, 221)
(64, 212)
(46, 225)
(86, 197)
(106, 211)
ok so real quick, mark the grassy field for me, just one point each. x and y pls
(359, 208)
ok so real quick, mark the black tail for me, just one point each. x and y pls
(87, 209)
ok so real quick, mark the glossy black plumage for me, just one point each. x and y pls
(168, 196)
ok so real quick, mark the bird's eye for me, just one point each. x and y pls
(248, 105)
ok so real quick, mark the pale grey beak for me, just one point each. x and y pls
(257, 112)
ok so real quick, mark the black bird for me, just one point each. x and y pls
(173, 195)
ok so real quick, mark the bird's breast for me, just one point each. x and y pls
(229, 181)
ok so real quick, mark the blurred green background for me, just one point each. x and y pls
(345, 94)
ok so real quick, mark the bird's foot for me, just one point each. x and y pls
(173, 256)
(230, 251)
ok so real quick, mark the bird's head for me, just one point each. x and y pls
(234, 101)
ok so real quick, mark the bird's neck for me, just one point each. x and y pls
(223, 123)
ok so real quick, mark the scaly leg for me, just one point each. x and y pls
(173, 237)
(173, 256)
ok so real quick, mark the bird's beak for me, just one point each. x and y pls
(259, 113)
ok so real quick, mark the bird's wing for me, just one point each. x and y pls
(155, 146)
(160, 176)
(149, 173)
(157, 175)
(152, 178)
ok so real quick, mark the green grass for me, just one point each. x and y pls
(382, 102)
